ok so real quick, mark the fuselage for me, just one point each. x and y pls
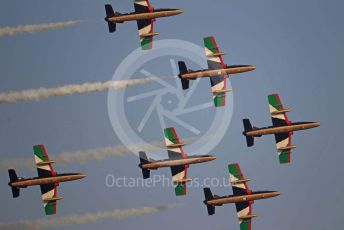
(158, 13)
(215, 72)
(24, 182)
(242, 198)
(257, 132)
(177, 162)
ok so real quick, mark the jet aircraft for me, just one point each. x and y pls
(217, 71)
(145, 17)
(281, 127)
(47, 179)
(177, 160)
(242, 196)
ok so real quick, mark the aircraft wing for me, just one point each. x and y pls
(280, 118)
(49, 193)
(284, 146)
(173, 144)
(277, 111)
(214, 59)
(239, 186)
(179, 175)
(175, 151)
(45, 169)
(145, 27)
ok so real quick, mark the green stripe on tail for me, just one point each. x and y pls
(245, 224)
(274, 101)
(146, 43)
(235, 171)
(219, 101)
(284, 157)
(180, 189)
(170, 134)
(209, 44)
(39, 152)
(50, 208)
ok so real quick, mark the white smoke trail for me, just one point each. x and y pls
(11, 31)
(77, 219)
(84, 156)
(43, 93)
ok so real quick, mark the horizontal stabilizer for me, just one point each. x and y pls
(211, 210)
(143, 157)
(144, 160)
(109, 11)
(13, 178)
(249, 141)
(248, 127)
(112, 27)
(247, 217)
(109, 14)
(15, 192)
(209, 196)
(13, 175)
(145, 173)
(183, 70)
(185, 83)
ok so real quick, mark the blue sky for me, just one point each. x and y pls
(298, 50)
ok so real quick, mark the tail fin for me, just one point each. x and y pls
(13, 178)
(143, 160)
(183, 70)
(209, 196)
(110, 13)
(248, 127)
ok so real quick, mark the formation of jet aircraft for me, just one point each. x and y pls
(47, 179)
(282, 128)
(217, 71)
(242, 197)
(144, 15)
(177, 160)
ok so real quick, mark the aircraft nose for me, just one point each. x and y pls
(252, 67)
(179, 11)
(81, 175)
(316, 124)
(276, 193)
(211, 158)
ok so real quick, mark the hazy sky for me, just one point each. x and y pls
(298, 49)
